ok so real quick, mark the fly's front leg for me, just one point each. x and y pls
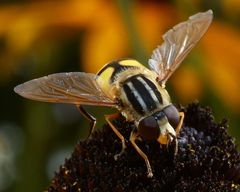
(179, 126)
(89, 117)
(176, 143)
(120, 136)
(176, 146)
(133, 138)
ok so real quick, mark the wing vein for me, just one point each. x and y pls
(178, 42)
(74, 87)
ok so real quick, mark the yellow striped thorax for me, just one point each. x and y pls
(114, 70)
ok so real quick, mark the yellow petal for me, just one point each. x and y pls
(106, 39)
(23, 24)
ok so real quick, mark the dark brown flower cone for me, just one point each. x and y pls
(207, 160)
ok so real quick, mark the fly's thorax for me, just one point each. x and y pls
(108, 77)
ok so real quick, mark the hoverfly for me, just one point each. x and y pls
(137, 92)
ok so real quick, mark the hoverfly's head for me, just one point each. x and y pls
(160, 126)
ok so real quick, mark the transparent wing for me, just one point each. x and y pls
(75, 87)
(178, 42)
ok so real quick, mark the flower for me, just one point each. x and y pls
(207, 160)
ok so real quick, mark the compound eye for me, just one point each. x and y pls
(148, 128)
(172, 114)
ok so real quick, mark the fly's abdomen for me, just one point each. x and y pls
(141, 96)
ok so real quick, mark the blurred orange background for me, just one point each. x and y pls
(41, 37)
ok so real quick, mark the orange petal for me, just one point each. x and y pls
(187, 84)
(222, 45)
(152, 21)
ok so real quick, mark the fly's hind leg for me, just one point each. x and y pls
(120, 136)
(89, 117)
(133, 138)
